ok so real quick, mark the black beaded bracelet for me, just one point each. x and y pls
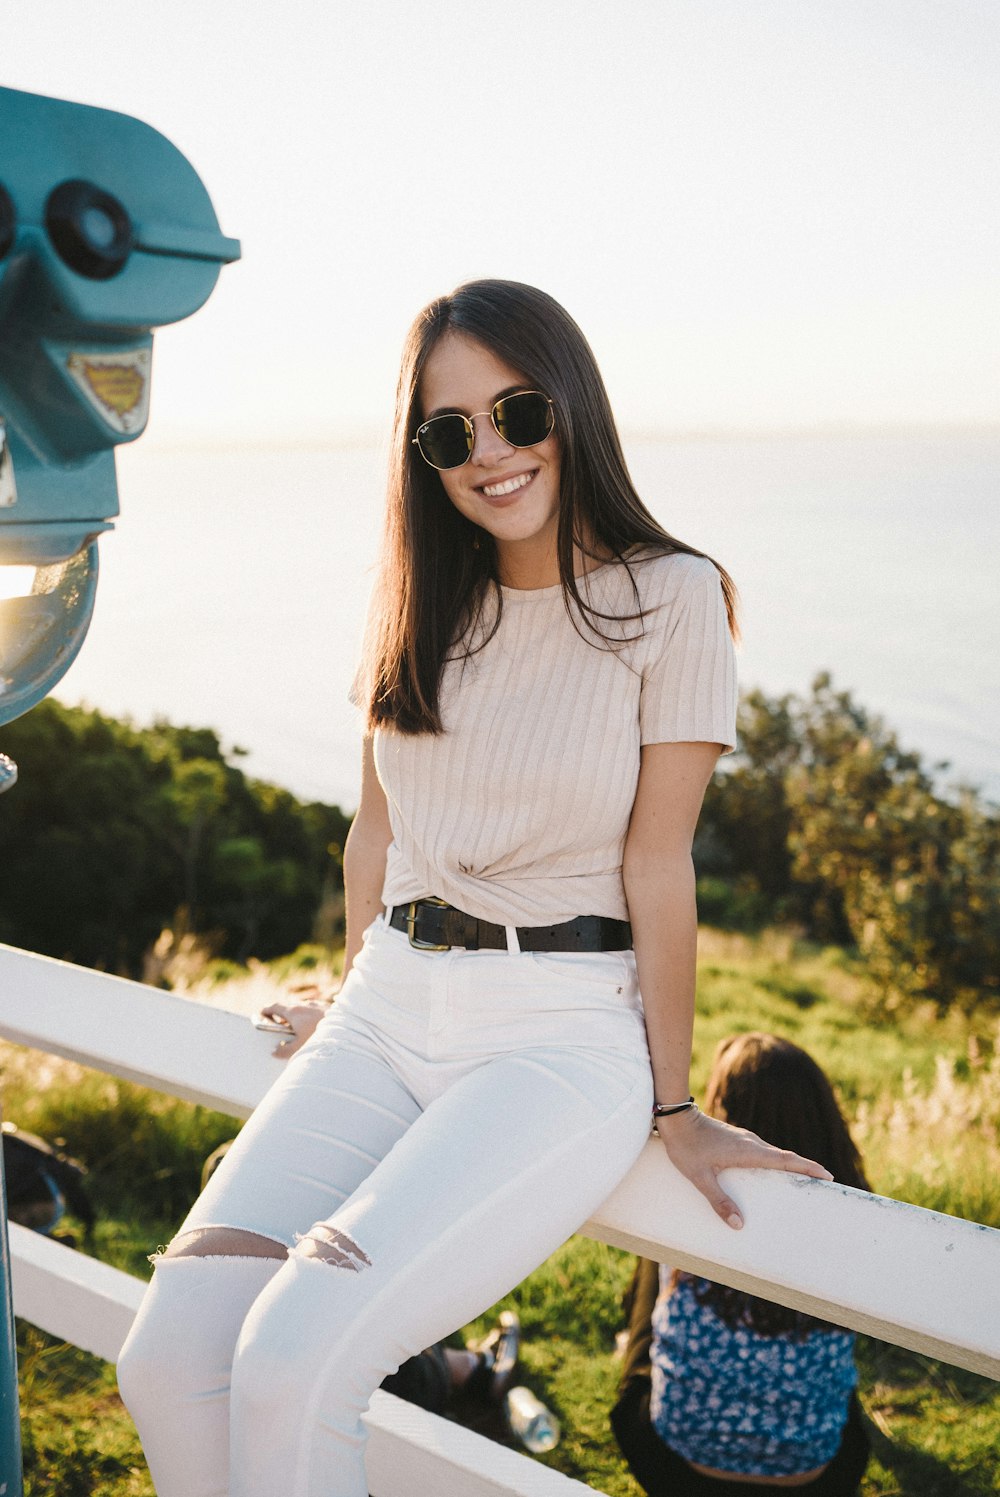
(667, 1110)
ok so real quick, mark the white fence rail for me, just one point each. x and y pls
(917, 1278)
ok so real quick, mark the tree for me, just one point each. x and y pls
(111, 830)
(826, 820)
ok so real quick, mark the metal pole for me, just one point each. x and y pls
(10, 1419)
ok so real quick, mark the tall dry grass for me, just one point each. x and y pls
(938, 1145)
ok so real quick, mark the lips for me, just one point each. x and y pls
(507, 487)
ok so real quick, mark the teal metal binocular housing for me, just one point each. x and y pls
(106, 232)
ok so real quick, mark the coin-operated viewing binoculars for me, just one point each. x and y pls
(105, 233)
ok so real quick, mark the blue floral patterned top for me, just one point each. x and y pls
(727, 1397)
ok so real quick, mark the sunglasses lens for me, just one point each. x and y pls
(444, 441)
(523, 420)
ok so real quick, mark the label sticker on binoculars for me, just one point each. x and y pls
(116, 384)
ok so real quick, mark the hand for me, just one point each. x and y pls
(701, 1146)
(301, 1017)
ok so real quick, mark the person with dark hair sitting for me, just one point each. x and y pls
(722, 1391)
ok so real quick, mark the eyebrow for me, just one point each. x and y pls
(452, 410)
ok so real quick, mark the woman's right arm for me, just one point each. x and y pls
(364, 874)
(364, 857)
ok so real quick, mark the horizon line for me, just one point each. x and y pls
(367, 439)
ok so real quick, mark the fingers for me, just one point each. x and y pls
(285, 1048)
(706, 1146)
(720, 1203)
(798, 1164)
(303, 1006)
(753, 1152)
(275, 1011)
(781, 1159)
(302, 1020)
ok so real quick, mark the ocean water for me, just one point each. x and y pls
(233, 592)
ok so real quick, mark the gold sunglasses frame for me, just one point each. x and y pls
(470, 430)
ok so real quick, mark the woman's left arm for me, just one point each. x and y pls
(660, 891)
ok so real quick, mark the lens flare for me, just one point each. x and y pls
(16, 582)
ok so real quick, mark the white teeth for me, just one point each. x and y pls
(494, 490)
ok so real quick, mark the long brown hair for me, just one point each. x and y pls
(767, 1084)
(437, 568)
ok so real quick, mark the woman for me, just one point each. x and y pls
(743, 1394)
(547, 684)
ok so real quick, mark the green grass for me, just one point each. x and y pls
(924, 1094)
(77, 1438)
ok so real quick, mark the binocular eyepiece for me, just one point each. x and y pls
(90, 230)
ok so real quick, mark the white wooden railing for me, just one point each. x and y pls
(914, 1277)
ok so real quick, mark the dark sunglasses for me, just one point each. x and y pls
(522, 420)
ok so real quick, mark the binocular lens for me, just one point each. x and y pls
(98, 227)
(90, 230)
(8, 221)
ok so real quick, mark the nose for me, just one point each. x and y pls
(488, 445)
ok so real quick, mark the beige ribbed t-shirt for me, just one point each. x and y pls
(518, 812)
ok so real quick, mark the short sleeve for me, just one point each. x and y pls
(689, 689)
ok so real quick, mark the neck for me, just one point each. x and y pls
(527, 570)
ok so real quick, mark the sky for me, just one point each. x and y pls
(768, 216)
(764, 215)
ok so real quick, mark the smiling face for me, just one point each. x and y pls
(511, 492)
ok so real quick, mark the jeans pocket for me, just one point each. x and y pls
(610, 972)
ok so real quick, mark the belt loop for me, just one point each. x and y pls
(387, 917)
(513, 944)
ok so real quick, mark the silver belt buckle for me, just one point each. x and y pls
(411, 922)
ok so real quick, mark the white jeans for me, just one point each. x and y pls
(455, 1116)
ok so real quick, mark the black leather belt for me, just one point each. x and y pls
(433, 925)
